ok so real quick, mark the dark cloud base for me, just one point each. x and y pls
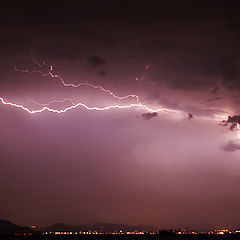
(231, 146)
(149, 116)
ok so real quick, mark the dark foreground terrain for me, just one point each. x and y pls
(124, 237)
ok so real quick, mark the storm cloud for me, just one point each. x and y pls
(231, 146)
(149, 116)
(232, 121)
(123, 165)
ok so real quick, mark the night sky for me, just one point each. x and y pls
(153, 142)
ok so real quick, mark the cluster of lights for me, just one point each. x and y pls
(94, 233)
(217, 231)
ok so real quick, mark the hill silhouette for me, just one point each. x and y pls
(7, 227)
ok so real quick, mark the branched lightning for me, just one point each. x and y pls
(46, 107)
(52, 75)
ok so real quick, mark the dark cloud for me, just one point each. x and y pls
(230, 88)
(231, 146)
(233, 126)
(232, 121)
(182, 60)
(96, 61)
(198, 68)
(190, 116)
(148, 116)
(61, 50)
(214, 99)
(103, 73)
(214, 91)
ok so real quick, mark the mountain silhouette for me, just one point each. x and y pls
(7, 227)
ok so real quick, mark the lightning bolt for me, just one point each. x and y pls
(84, 106)
(52, 75)
(46, 107)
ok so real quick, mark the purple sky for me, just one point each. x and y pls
(176, 168)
